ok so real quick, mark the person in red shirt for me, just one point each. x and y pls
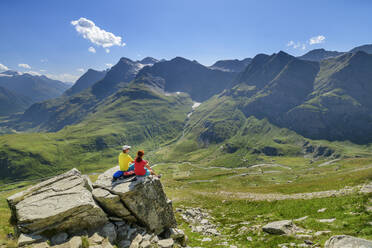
(141, 166)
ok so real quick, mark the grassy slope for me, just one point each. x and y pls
(188, 185)
(94, 143)
(218, 134)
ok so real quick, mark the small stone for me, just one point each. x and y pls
(204, 221)
(327, 220)
(249, 239)
(322, 210)
(166, 243)
(155, 239)
(302, 218)
(176, 233)
(319, 233)
(308, 242)
(213, 232)
(303, 236)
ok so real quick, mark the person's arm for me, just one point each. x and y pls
(131, 159)
(149, 168)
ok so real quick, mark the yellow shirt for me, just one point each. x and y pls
(124, 161)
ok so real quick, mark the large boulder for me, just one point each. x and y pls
(144, 198)
(61, 204)
(112, 204)
(281, 227)
(342, 241)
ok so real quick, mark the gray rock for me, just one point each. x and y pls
(59, 238)
(367, 188)
(145, 244)
(166, 243)
(75, 242)
(124, 244)
(40, 245)
(206, 239)
(27, 239)
(343, 241)
(96, 239)
(136, 241)
(319, 233)
(144, 198)
(112, 205)
(322, 210)
(61, 204)
(108, 231)
(280, 227)
(327, 220)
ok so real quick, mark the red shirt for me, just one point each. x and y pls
(139, 167)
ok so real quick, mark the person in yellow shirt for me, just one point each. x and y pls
(125, 160)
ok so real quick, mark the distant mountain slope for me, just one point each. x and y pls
(54, 114)
(233, 65)
(36, 88)
(134, 115)
(340, 107)
(85, 81)
(364, 48)
(328, 100)
(182, 75)
(11, 103)
(320, 54)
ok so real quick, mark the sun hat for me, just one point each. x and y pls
(125, 147)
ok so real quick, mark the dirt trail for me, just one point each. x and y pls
(276, 196)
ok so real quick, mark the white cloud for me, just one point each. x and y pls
(107, 50)
(43, 60)
(80, 70)
(26, 66)
(109, 65)
(96, 35)
(3, 67)
(42, 70)
(92, 49)
(296, 45)
(317, 39)
(65, 77)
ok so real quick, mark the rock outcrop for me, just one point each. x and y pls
(144, 198)
(281, 227)
(67, 211)
(61, 204)
(342, 241)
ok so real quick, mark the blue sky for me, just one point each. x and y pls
(40, 33)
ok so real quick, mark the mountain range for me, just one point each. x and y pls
(26, 89)
(276, 105)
